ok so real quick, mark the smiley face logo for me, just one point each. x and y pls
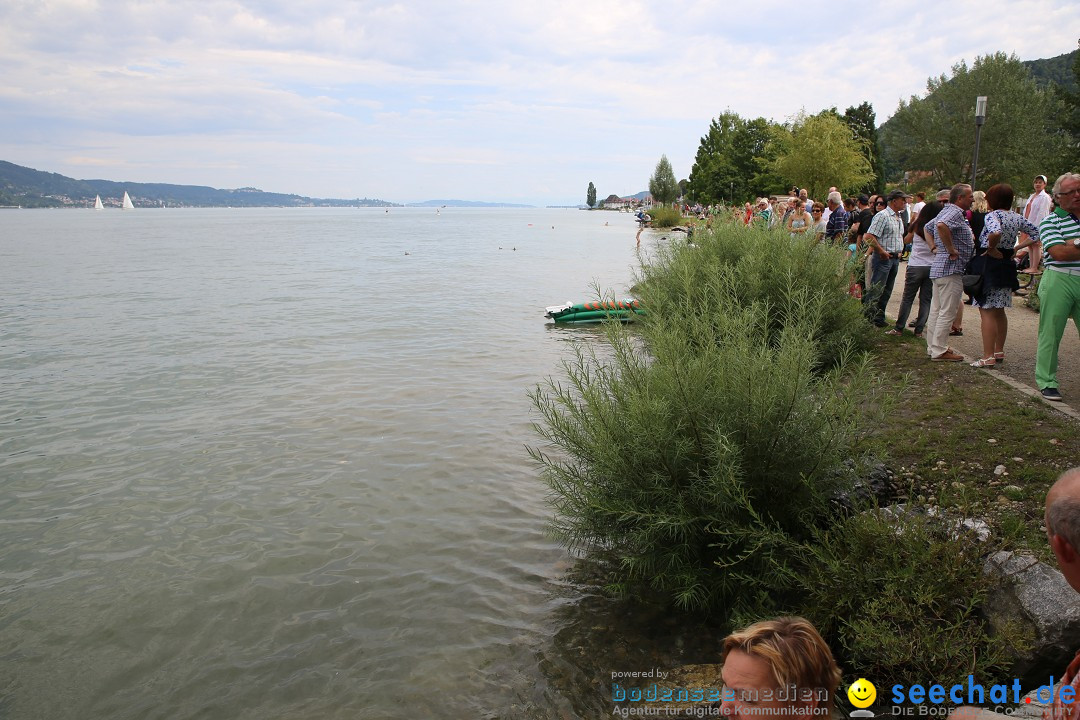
(862, 693)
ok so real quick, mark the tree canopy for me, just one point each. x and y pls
(662, 185)
(590, 195)
(819, 151)
(733, 161)
(1023, 135)
(863, 123)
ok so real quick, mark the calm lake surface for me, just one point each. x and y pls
(270, 464)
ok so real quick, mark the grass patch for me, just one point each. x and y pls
(951, 427)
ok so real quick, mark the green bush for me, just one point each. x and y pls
(900, 599)
(702, 451)
(664, 217)
(738, 266)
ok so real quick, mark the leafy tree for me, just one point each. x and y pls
(1022, 136)
(662, 185)
(820, 151)
(590, 196)
(734, 160)
(1069, 97)
(863, 122)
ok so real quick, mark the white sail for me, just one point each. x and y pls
(97, 203)
(127, 202)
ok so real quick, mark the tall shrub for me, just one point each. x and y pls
(702, 451)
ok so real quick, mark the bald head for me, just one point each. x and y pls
(1063, 524)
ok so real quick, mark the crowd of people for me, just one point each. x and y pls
(961, 242)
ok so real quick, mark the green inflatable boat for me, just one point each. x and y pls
(594, 312)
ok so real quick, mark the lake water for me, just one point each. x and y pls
(270, 464)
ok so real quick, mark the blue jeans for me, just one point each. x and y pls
(882, 277)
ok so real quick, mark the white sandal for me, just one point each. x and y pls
(985, 363)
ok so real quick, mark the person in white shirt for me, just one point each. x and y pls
(920, 203)
(1037, 207)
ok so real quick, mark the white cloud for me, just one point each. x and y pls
(405, 100)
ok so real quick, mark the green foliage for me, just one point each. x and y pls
(759, 267)
(821, 151)
(1068, 95)
(701, 453)
(664, 217)
(1022, 136)
(1057, 71)
(903, 600)
(590, 195)
(662, 185)
(863, 123)
(733, 161)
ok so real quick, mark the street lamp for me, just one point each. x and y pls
(980, 118)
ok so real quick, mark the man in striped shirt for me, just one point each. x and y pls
(1059, 289)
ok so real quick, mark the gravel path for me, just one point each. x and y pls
(1020, 344)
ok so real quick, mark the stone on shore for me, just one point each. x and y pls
(1047, 609)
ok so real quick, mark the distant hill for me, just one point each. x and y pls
(1054, 71)
(33, 188)
(464, 203)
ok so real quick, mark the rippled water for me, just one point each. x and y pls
(269, 463)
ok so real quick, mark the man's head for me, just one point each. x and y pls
(834, 200)
(920, 196)
(1062, 519)
(897, 200)
(943, 195)
(1067, 193)
(1040, 183)
(864, 201)
(803, 195)
(961, 196)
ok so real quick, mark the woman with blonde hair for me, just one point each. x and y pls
(778, 667)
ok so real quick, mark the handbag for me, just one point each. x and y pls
(973, 275)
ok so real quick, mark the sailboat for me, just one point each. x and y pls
(127, 202)
(97, 203)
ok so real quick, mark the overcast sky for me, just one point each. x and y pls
(473, 99)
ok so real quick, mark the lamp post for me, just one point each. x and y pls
(980, 118)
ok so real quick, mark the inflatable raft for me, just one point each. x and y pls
(594, 312)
